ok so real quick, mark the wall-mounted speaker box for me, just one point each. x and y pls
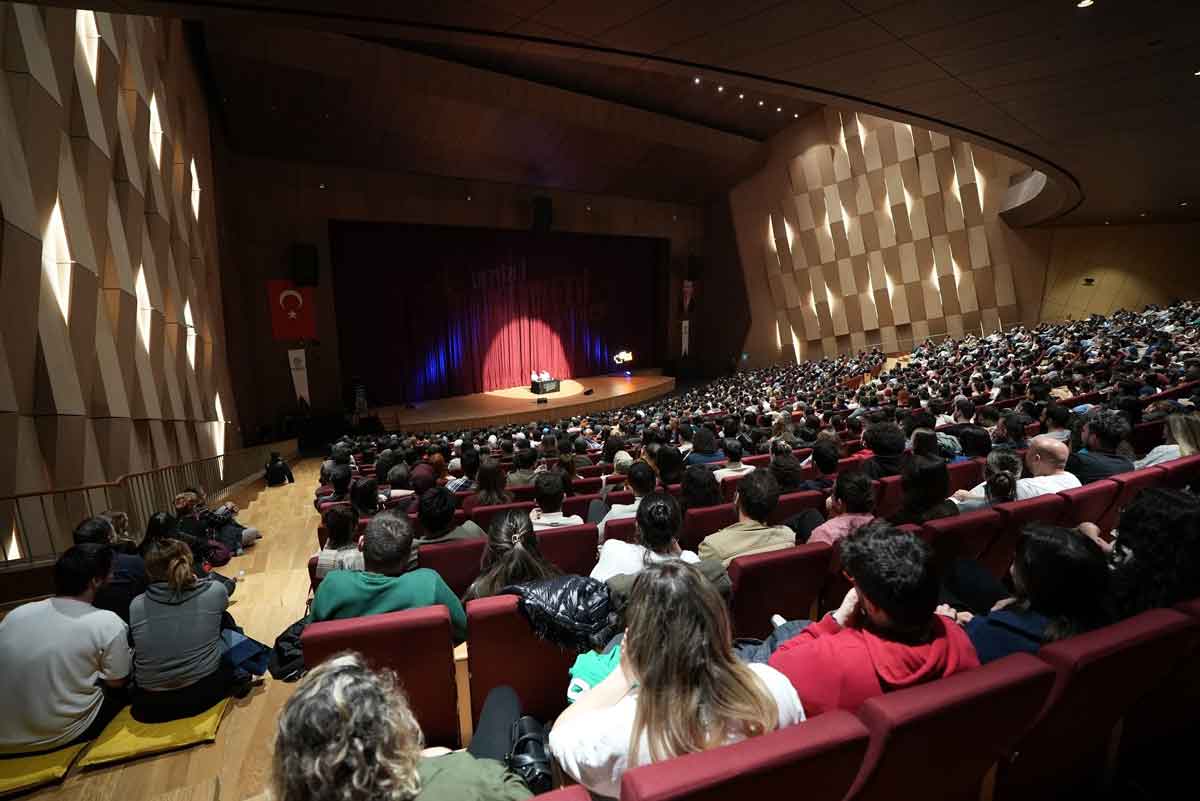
(543, 213)
(305, 268)
(589, 391)
(542, 400)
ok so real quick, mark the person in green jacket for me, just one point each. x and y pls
(387, 585)
(349, 734)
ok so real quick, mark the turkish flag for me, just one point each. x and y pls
(293, 312)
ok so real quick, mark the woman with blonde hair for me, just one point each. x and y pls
(678, 689)
(176, 629)
(349, 734)
(1183, 439)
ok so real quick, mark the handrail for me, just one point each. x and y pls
(42, 522)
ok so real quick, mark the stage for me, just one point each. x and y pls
(519, 405)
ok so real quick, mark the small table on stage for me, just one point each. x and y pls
(543, 387)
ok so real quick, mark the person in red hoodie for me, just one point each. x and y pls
(885, 636)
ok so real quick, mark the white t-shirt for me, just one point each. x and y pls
(618, 511)
(619, 558)
(726, 472)
(593, 749)
(543, 520)
(1026, 488)
(53, 651)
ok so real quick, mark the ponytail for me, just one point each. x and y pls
(170, 561)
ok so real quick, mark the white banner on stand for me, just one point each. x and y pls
(299, 364)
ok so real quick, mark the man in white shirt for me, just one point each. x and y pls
(548, 492)
(59, 655)
(642, 481)
(733, 461)
(1045, 461)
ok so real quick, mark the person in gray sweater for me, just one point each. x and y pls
(176, 628)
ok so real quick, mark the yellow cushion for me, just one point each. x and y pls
(125, 738)
(24, 773)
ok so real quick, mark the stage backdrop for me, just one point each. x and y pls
(427, 311)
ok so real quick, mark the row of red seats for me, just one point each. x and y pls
(1044, 723)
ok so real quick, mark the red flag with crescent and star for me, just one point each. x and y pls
(293, 312)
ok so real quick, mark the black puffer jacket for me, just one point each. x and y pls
(573, 612)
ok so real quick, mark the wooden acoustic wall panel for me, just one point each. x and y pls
(877, 233)
(97, 198)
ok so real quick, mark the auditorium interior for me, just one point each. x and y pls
(646, 399)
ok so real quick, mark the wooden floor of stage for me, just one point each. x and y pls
(519, 405)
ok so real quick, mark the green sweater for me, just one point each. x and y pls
(350, 593)
(462, 777)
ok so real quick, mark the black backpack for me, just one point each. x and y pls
(286, 661)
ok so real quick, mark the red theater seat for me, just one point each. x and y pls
(1131, 484)
(758, 460)
(1100, 676)
(460, 517)
(584, 486)
(457, 561)
(1089, 503)
(965, 536)
(816, 760)
(1181, 473)
(793, 503)
(729, 486)
(889, 496)
(623, 528)
(1042, 509)
(787, 582)
(504, 651)
(521, 492)
(1173, 708)
(591, 471)
(578, 504)
(963, 723)
(482, 515)
(575, 792)
(848, 464)
(572, 548)
(416, 644)
(965, 475)
(699, 523)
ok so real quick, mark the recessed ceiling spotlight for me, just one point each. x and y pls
(720, 88)
(1085, 3)
(1196, 73)
(320, 186)
(760, 102)
(778, 109)
(796, 114)
(1108, 222)
(468, 197)
(696, 80)
(741, 96)
(1183, 204)
(588, 207)
(1143, 214)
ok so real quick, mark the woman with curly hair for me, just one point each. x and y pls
(349, 734)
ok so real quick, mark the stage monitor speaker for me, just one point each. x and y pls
(543, 400)
(304, 264)
(589, 390)
(543, 213)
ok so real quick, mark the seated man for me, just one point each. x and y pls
(339, 477)
(469, 462)
(523, 460)
(60, 655)
(435, 512)
(641, 481)
(887, 444)
(276, 472)
(825, 457)
(851, 506)
(733, 461)
(885, 636)
(757, 496)
(548, 493)
(1102, 435)
(1045, 462)
(128, 579)
(387, 584)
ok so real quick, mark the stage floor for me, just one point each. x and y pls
(519, 405)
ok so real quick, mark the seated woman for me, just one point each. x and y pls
(1182, 439)
(566, 468)
(511, 556)
(669, 465)
(349, 734)
(705, 448)
(176, 630)
(698, 489)
(341, 548)
(926, 485)
(1061, 580)
(659, 518)
(1000, 476)
(678, 688)
(364, 497)
(491, 491)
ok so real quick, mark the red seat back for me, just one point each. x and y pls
(1131, 484)
(889, 496)
(590, 472)
(622, 528)
(1173, 708)
(849, 464)
(623, 497)
(965, 475)
(793, 503)
(1146, 436)
(578, 504)
(572, 548)
(821, 755)
(1089, 503)
(457, 561)
(1181, 473)
(416, 644)
(758, 459)
(504, 651)
(965, 536)
(587, 485)
(699, 523)
(460, 517)
(729, 486)
(787, 582)
(521, 492)
(997, 703)
(482, 515)
(1047, 508)
(1100, 676)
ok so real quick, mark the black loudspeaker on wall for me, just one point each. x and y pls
(543, 213)
(543, 400)
(589, 390)
(305, 267)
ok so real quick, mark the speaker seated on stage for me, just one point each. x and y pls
(435, 512)
(533, 376)
(548, 493)
(544, 376)
(469, 462)
(524, 461)
(642, 481)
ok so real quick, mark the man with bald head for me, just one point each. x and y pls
(1045, 471)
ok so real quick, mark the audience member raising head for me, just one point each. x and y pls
(851, 506)
(659, 519)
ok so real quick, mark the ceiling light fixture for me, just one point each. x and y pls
(696, 81)
(796, 114)
(1183, 204)
(720, 88)
(778, 108)
(1085, 3)
(588, 207)
(1143, 214)
(1196, 73)
(760, 102)
(320, 186)
(741, 95)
